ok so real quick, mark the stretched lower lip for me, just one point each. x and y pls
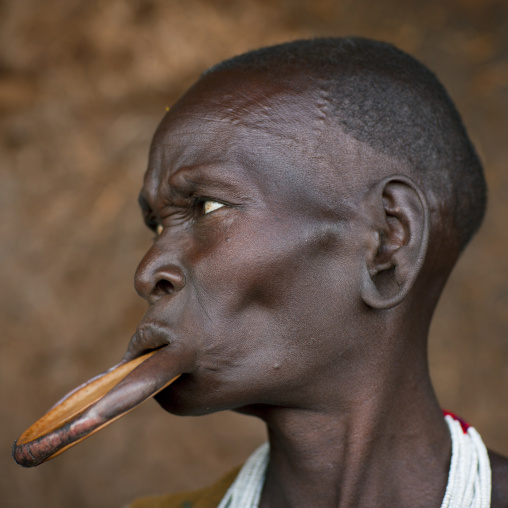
(96, 404)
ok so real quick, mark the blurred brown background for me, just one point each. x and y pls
(83, 84)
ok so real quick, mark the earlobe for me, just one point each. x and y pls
(398, 215)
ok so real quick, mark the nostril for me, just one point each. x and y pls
(164, 287)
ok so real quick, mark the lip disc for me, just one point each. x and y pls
(93, 406)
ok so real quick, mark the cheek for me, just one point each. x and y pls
(279, 275)
(267, 304)
(251, 267)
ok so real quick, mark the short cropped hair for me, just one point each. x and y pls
(389, 100)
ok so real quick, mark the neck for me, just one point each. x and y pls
(386, 445)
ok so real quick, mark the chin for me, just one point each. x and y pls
(185, 398)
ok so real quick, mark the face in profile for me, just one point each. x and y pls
(251, 263)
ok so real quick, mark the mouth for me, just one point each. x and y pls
(152, 362)
(148, 337)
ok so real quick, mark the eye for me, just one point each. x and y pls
(209, 206)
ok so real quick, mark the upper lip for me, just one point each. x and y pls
(148, 336)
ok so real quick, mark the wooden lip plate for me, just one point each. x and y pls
(73, 419)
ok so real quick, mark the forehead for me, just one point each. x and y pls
(242, 126)
(241, 113)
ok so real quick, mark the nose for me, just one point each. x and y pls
(155, 277)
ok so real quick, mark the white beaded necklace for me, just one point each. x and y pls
(469, 479)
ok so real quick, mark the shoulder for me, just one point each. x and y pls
(209, 497)
(499, 465)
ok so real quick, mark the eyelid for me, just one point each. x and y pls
(207, 206)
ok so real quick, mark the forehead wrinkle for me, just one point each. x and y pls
(305, 124)
(296, 120)
(296, 117)
(255, 104)
(271, 113)
(184, 167)
(206, 118)
(178, 144)
(299, 118)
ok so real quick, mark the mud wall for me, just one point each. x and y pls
(83, 84)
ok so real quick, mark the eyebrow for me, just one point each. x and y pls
(190, 179)
(187, 179)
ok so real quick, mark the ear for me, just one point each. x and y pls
(398, 214)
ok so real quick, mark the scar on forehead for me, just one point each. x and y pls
(323, 105)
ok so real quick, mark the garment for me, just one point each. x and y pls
(469, 481)
(209, 497)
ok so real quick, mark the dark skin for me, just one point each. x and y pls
(293, 277)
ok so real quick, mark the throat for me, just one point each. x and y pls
(330, 460)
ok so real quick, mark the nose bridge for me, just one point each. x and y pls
(158, 274)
